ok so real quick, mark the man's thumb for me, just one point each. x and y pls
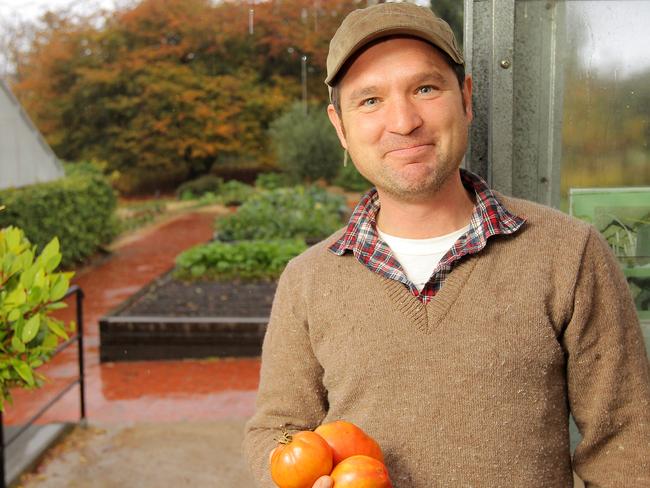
(324, 482)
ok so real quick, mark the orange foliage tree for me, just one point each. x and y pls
(170, 89)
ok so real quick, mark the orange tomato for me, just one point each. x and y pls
(346, 439)
(361, 472)
(299, 460)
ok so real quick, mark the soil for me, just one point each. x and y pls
(169, 297)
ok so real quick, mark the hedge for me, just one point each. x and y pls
(78, 209)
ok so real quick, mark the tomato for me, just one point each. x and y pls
(361, 472)
(346, 439)
(299, 460)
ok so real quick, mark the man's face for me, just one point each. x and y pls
(403, 119)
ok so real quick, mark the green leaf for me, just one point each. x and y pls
(27, 278)
(39, 278)
(60, 287)
(17, 344)
(14, 315)
(56, 306)
(35, 296)
(31, 328)
(24, 371)
(16, 298)
(52, 263)
(51, 250)
(12, 236)
(50, 342)
(55, 326)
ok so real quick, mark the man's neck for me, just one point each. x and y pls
(441, 213)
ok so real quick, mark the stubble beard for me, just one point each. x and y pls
(399, 187)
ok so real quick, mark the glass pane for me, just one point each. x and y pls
(605, 171)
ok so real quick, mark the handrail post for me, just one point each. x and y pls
(80, 335)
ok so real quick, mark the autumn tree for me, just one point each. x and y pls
(169, 89)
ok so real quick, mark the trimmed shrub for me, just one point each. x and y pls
(306, 145)
(286, 213)
(198, 187)
(244, 259)
(78, 209)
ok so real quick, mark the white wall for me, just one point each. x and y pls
(25, 157)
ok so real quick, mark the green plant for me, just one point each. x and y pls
(271, 181)
(350, 179)
(234, 192)
(29, 290)
(133, 216)
(198, 187)
(244, 259)
(298, 212)
(306, 145)
(78, 209)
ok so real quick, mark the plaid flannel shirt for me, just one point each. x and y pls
(489, 218)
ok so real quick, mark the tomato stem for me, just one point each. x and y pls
(285, 439)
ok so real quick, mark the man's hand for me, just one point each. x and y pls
(324, 482)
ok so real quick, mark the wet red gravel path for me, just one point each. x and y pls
(147, 390)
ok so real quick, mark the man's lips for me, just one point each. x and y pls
(409, 151)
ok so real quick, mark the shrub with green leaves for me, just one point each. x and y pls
(286, 213)
(135, 215)
(78, 209)
(234, 192)
(29, 290)
(193, 189)
(306, 145)
(350, 179)
(272, 181)
(245, 259)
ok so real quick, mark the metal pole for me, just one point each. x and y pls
(303, 61)
(3, 482)
(80, 339)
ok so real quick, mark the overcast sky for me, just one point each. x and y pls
(617, 30)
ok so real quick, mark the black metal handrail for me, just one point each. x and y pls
(78, 338)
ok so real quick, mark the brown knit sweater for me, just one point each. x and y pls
(474, 388)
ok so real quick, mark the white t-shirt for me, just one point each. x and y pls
(419, 257)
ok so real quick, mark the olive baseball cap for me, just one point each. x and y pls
(386, 19)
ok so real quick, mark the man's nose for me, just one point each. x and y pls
(404, 116)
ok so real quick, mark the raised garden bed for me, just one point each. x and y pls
(172, 319)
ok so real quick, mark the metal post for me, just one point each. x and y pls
(80, 339)
(303, 61)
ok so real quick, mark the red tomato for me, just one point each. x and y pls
(361, 472)
(300, 460)
(346, 439)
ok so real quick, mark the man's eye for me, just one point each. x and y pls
(369, 102)
(426, 90)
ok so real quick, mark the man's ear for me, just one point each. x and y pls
(467, 98)
(338, 125)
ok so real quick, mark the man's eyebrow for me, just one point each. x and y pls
(369, 91)
(434, 75)
(363, 92)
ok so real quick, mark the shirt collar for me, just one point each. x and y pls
(489, 218)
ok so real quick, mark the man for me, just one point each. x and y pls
(456, 326)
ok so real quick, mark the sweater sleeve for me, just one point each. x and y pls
(291, 395)
(608, 375)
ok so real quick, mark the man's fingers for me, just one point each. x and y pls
(324, 482)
